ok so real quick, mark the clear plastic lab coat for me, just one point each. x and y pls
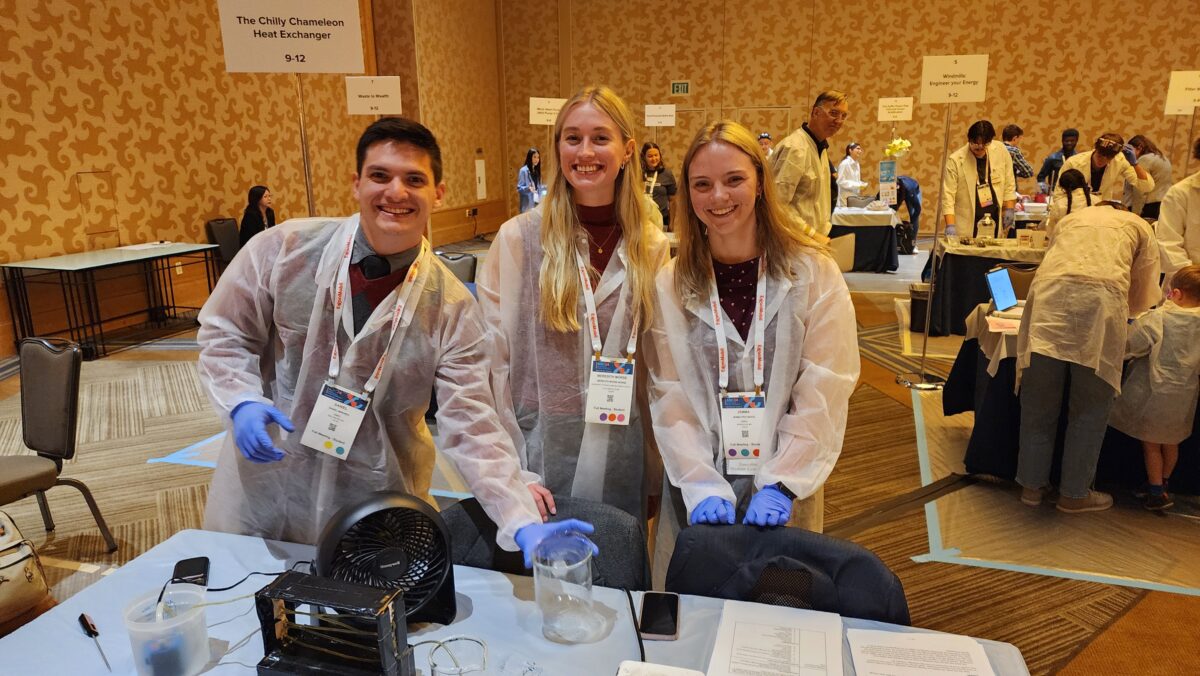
(1101, 269)
(1178, 226)
(1159, 393)
(801, 174)
(811, 367)
(266, 334)
(541, 375)
(1116, 175)
(962, 176)
(849, 180)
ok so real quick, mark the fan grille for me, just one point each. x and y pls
(358, 551)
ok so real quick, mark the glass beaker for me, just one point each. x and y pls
(458, 656)
(562, 582)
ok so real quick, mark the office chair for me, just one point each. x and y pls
(1021, 275)
(224, 233)
(786, 567)
(622, 563)
(461, 264)
(49, 416)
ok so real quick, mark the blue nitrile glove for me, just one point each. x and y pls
(713, 510)
(529, 537)
(250, 420)
(769, 507)
(1009, 219)
(1129, 154)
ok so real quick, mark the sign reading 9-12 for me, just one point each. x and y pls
(291, 36)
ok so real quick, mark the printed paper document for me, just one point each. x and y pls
(758, 640)
(889, 653)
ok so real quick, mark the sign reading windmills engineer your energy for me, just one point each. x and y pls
(291, 36)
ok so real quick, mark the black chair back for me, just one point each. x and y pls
(622, 563)
(224, 233)
(786, 567)
(50, 396)
(461, 264)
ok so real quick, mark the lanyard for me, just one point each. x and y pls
(653, 182)
(987, 169)
(760, 321)
(593, 322)
(342, 310)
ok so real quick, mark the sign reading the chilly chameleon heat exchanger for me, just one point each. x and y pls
(960, 78)
(291, 36)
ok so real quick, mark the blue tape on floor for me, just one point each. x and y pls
(922, 446)
(185, 456)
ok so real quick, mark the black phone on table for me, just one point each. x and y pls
(659, 617)
(192, 571)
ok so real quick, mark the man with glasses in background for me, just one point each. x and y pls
(801, 164)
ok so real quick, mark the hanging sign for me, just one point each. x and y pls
(291, 36)
(660, 115)
(1183, 92)
(373, 95)
(544, 111)
(954, 79)
(896, 109)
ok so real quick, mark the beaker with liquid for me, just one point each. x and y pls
(562, 580)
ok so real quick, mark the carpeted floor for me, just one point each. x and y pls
(146, 403)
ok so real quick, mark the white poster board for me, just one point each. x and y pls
(480, 180)
(291, 36)
(1183, 92)
(660, 115)
(960, 78)
(544, 111)
(897, 109)
(373, 95)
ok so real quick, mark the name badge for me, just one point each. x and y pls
(742, 415)
(610, 391)
(985, 194)
(335, 420)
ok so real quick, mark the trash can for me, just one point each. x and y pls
(918, 293)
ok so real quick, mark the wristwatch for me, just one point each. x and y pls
(784, 489)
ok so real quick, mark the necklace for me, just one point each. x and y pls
(616, 233)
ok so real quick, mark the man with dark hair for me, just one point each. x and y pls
(801, 167)
(1109, 167)
(315, 318)
(1012, 138)
(979, 181)
(1047, 177)
(766, 143)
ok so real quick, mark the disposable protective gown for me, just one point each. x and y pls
(266, 335)
(811, 366)
(1158, 395)
(541, 375)
(1101, 269)
(801, 174)
(849, 181)
(962, 177)
(1116, 175)
(1179, 225)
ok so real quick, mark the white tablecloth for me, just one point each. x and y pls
(995, 345)
(852, 217)
(494, 607)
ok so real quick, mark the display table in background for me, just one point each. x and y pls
(982, 380)
(960, 280)
(496, 608)
(75, 274)
(875, 247)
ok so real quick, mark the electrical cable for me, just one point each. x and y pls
(638, 634)
(168, 583)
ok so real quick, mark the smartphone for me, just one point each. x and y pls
(192, 571)
(660, 616)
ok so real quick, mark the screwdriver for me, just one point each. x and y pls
(89, 628)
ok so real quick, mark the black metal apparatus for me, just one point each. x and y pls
(393, 540)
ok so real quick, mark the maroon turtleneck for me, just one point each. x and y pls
(604, 233)
(736, 285)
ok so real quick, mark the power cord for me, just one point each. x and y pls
(169, 582)
(638, 634)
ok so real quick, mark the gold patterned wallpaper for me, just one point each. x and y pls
(1099, 67)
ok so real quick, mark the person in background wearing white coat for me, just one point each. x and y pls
(979, 180)
(1150, 158)
(801, 165)
(748, 281)
(849, 174)
(327, 322)
(1100, 270)
(1108, 167)
(566, 291)
(1179, 222)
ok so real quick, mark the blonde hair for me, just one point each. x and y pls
(779, 234)
(558, 278)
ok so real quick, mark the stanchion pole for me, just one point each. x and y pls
(923, 380)
(308, 185)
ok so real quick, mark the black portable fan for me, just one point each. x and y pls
(393, 540)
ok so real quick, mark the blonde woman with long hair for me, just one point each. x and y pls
(567, 291)
(742, 438)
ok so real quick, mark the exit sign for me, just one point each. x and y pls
(681, 88)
